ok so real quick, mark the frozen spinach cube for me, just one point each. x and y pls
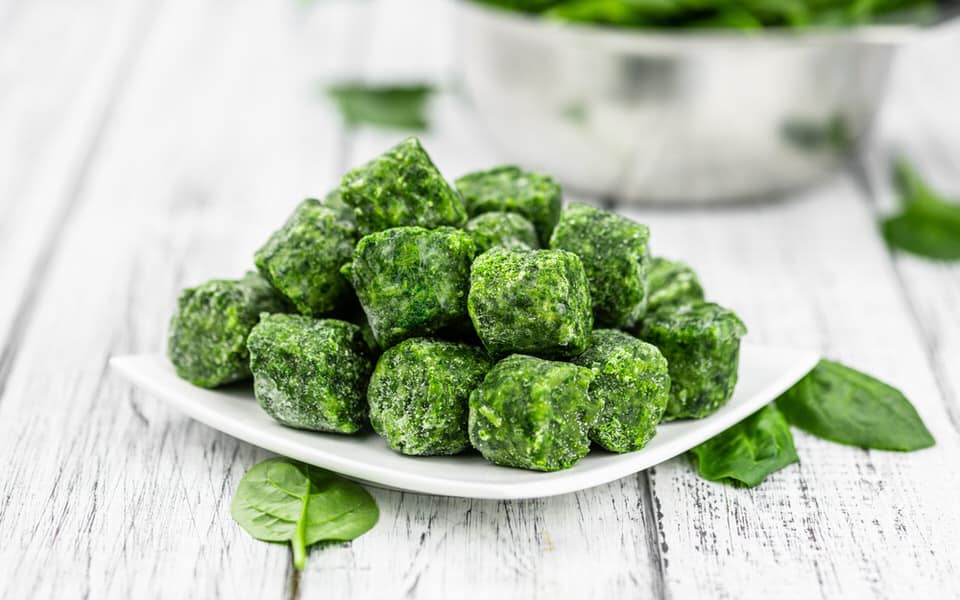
(503, 229)
(334, 201)
(507, 188)
(401, 187)
(310, 373)
(412, 281)
(701, 342)
(302, 259)
(530, 302)
(418, 395)
(672, 282)
(533, 414)
(633, 385)
(207, 341)
(614, 252)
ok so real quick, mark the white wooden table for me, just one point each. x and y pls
(150, 144)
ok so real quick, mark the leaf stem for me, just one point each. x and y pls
(299, 541)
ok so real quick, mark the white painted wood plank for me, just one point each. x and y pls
(54, 100)
(218, 134)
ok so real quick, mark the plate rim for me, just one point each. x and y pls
(552, 484)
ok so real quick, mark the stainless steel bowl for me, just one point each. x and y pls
(672, 117)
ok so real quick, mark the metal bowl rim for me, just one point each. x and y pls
(626, 39)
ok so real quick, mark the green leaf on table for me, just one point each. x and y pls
(929, 224)
(385, 106)
(749, 451)
(843, 405)
(281, 500)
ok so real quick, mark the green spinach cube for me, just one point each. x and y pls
(207, 341)
(633, 385)
(412, 281)
(530, 302)
(671, 283)
(614, 252)
(533, 414)
(302, 259)
(502, 229)
(418, 395)
(310, 373)
(701, 342)
(401, 187)
(508, 188)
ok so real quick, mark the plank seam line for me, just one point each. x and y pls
(39, 272)
(862, 180)
(652, 534)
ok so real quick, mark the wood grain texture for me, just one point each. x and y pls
(107, 493)
(216, 132)
(55, 101)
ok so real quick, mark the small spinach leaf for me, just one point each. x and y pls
(281, 500)
(843, 405)
(749, 451)
(929, 224)
(387, 106)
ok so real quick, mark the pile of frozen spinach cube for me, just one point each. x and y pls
(481, 314)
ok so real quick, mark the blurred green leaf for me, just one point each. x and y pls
(385, 106)
(929, 224)
(746, 15)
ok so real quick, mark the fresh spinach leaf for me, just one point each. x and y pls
(386, 106)
(281, 500)
(929, 225)
(844, 405)
(746, 15)
(749, 451)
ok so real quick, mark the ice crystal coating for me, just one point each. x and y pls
(530, 302)
(701, 342)
(671, 282)
(207, 341)
(503, 229)
(614, 252)
(401, 187)
(632, 383)
(412, 281)
(310, 373)
(533, 413)
(418, 395)
(302, 259)
(507, 188)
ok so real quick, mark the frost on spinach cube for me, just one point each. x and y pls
(412, 281)
(401, 187)
(302, 259)
(507, 188)
(502, 229)
(334, 201)
(310, 373)
(701, 342)
(530, 302)
(533, 413)
(671, 283)
(207, 341)
(418, 395)
(615, 255)
(633, 385)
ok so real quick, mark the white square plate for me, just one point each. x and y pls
(765, 372)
